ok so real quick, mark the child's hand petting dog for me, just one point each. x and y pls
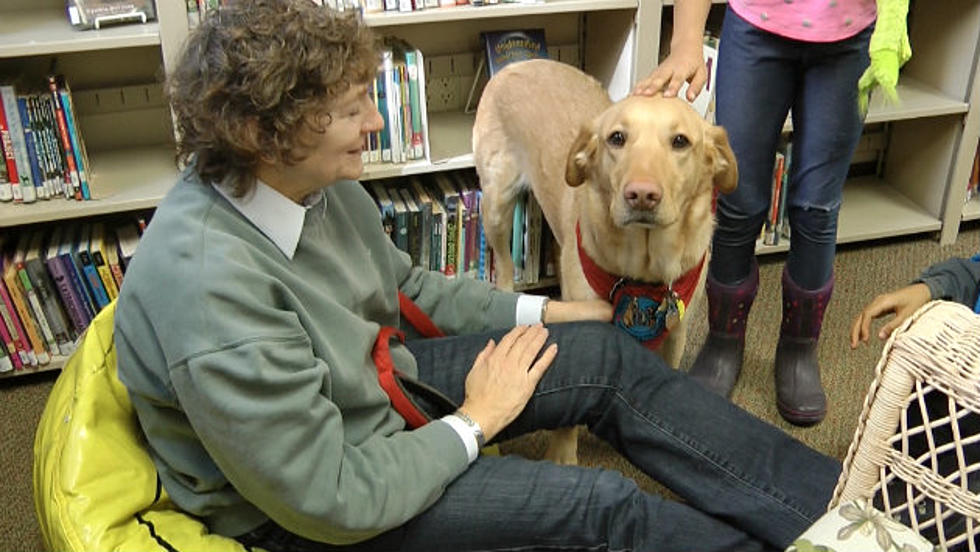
(572, 311)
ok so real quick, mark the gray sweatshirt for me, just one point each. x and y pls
(251, 371)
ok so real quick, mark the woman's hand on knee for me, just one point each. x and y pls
(504, 376)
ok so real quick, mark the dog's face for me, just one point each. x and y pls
(649, 159)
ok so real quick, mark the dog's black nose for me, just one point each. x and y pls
(643, 195)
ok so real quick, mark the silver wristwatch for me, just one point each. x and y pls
(481, 439)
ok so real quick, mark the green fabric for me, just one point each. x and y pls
(889, 50)
(252, 375)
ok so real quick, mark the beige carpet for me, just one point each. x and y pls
(861, 271)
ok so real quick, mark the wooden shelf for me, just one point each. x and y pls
(551, 281)
(873, 209)
(450, 142)
(459, 13)
(47, 31)
(121, 180)
(971, 209)
(57, 363)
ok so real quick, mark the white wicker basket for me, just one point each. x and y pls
(914, 461)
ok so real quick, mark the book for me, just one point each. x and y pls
(75, 135)
(32, 151)
(441, 188)
(10, 189)
(74, 272)
(30, 337)
(95, 14)
(7, 347)
(32, 295)
(386, 207)
(77, 314)
(27, 193)
(74, 172)
(505, 47)
(112, 258)
(704, 103)
(393, 103)
(12, 331)
(97, 249)
(81, 251)
(128, 237)
(48, 294)
(517, 237)
(6, 190)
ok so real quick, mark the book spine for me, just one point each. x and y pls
(76, 313)
(44, 288)
(415, 102)
(29, 336)
(32, 156)
(77, 281)
(8, 332)
(48, 153)
(40, 319)
(452, 235)
(7, 347)
(78, 148)
(385, 133)
(8, 169)
(9, 99)
(63, 134)
(105, 275)
(93, 280)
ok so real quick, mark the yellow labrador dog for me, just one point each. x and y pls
(627, 188)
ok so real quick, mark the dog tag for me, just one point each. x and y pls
(673, 315)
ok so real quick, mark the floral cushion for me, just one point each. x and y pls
(857, 526)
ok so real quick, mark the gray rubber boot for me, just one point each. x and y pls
(800, 396)
(720, 359)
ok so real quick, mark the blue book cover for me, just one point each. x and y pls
(506, 47)
(74, 274)
(32, 151)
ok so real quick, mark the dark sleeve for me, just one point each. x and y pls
(955, 279)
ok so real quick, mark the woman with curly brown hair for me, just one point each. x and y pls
(258, 334)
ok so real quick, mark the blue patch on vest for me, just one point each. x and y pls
(640, 317)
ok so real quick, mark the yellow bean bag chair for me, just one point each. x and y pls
(95, 487)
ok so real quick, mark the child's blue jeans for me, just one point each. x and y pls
(761, 76)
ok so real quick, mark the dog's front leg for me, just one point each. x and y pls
(672, 348)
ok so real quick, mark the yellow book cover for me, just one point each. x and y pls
(97, 247)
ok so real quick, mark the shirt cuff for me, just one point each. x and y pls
(465, 434)
(529, 309)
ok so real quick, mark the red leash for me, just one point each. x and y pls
(387, 373)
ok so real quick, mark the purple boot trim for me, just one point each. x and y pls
(728, 305)
(803, 309)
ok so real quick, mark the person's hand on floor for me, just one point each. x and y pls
(902, 303)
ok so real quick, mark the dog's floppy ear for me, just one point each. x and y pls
(581, 156)
(722, 159)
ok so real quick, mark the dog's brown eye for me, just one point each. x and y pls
(616, 139)
(680, 142)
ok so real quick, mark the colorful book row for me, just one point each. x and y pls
(436, 219)
(399, 93)
(54, 281)
(41, 148)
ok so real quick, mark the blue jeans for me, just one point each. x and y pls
(761, 76)
(746, 484)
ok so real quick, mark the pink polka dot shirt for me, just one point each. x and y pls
(808, 20)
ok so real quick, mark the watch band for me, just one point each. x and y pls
(481, 439)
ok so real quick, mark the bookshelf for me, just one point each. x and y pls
(932, 133)
(932, 136)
